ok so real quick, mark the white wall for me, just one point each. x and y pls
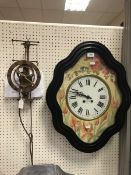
(56, 42)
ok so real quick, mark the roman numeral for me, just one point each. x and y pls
(75, 104)
(79, 82)
(100, 104)
(100, 89)
(95, 83)
(95, 110)
(75, 90)
(87, 112)
(72, 97)
(88, 82)
(102, 97)
(80, 110)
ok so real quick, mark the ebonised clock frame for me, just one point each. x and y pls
(64, 65)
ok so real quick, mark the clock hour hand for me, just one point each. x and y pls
(86, 96)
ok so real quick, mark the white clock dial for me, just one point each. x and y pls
(88, 97)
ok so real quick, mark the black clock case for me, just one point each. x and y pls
(64, 65)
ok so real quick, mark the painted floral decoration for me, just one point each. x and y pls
(90, 131)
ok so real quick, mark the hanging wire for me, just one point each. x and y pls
(29, 134)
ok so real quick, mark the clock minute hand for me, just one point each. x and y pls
(81, 94)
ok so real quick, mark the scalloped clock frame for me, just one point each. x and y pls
(58, 78)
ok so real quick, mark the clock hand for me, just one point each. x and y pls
(81, 94)
(86, 96)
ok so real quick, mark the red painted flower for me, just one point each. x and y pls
(61, 94)
(106, 72)
(65, 110)
(97, 122)
(114, 103)
(88, 127)
(73, 122)
(104, 118)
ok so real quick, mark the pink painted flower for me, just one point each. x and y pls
(97, 66)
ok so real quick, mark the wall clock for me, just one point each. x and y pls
(89, 96)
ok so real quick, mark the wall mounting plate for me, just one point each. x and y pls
(36, 93)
